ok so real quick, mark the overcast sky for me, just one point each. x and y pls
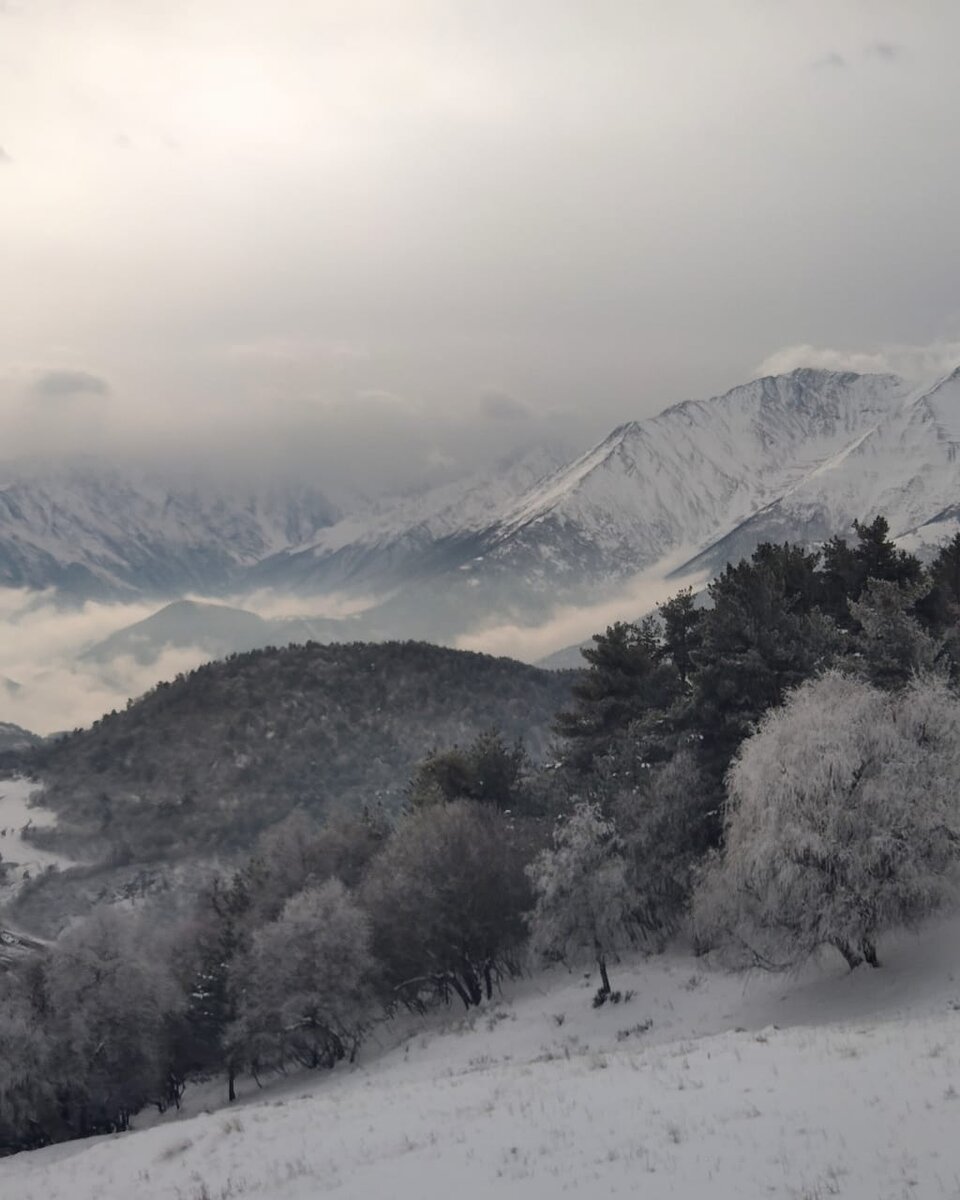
(384, 236)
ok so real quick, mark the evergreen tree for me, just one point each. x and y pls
(627, 682)
(488, 771)
(940, 608)
(889, 645)
(846, 568)
(681, 632)
(763, 635)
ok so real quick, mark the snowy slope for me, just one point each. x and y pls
(21, 859)
(905, 467)
(702, 1084)
(382, 545)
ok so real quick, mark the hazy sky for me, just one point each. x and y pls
(384, 236)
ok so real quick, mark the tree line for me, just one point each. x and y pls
(769, 770)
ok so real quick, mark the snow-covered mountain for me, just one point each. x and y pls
(794, 456)
(90, 529)
(905, 466)
(667, 486)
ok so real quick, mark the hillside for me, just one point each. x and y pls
(215, 629)
(207, 761)
(701, 1084)
(12, 737)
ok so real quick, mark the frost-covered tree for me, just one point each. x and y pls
(583, 898)
(447, 898)
(662, 813)
(110, 997)
(305, 985)
(843, 821)
(28, 1100)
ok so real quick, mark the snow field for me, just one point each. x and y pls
(702, 1083)
(25, 860)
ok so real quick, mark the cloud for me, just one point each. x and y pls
(499, 406)
(917, 363)
(569, 625)
(886, 51)
(46, 686)
(63, 384)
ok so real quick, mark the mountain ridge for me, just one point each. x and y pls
(795, 456)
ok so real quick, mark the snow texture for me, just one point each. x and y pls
(701, 1084)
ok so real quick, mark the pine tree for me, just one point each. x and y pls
(846, 568)
(763, 635)
(889, 645)
(627, 681)
(940, 608)
(681, 632)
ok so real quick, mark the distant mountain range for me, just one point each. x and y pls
(795, 456)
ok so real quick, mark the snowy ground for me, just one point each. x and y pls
(702, 1084)
(24, 860)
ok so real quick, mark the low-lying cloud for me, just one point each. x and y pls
(60, 384)
(40, 644)
(569, 625)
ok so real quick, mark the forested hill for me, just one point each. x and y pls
(207, 761)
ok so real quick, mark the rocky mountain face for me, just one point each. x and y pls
(795, 456)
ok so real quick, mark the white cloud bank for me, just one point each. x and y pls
(924, 363)
(43, 684)
(569, 625)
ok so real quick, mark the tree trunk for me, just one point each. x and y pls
(604, 978)
(460, 990)
(853, 958)
(231, 1082)
(869, 951)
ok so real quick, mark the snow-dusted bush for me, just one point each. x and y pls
(583, 897)
(305, 983)
(843, 820)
